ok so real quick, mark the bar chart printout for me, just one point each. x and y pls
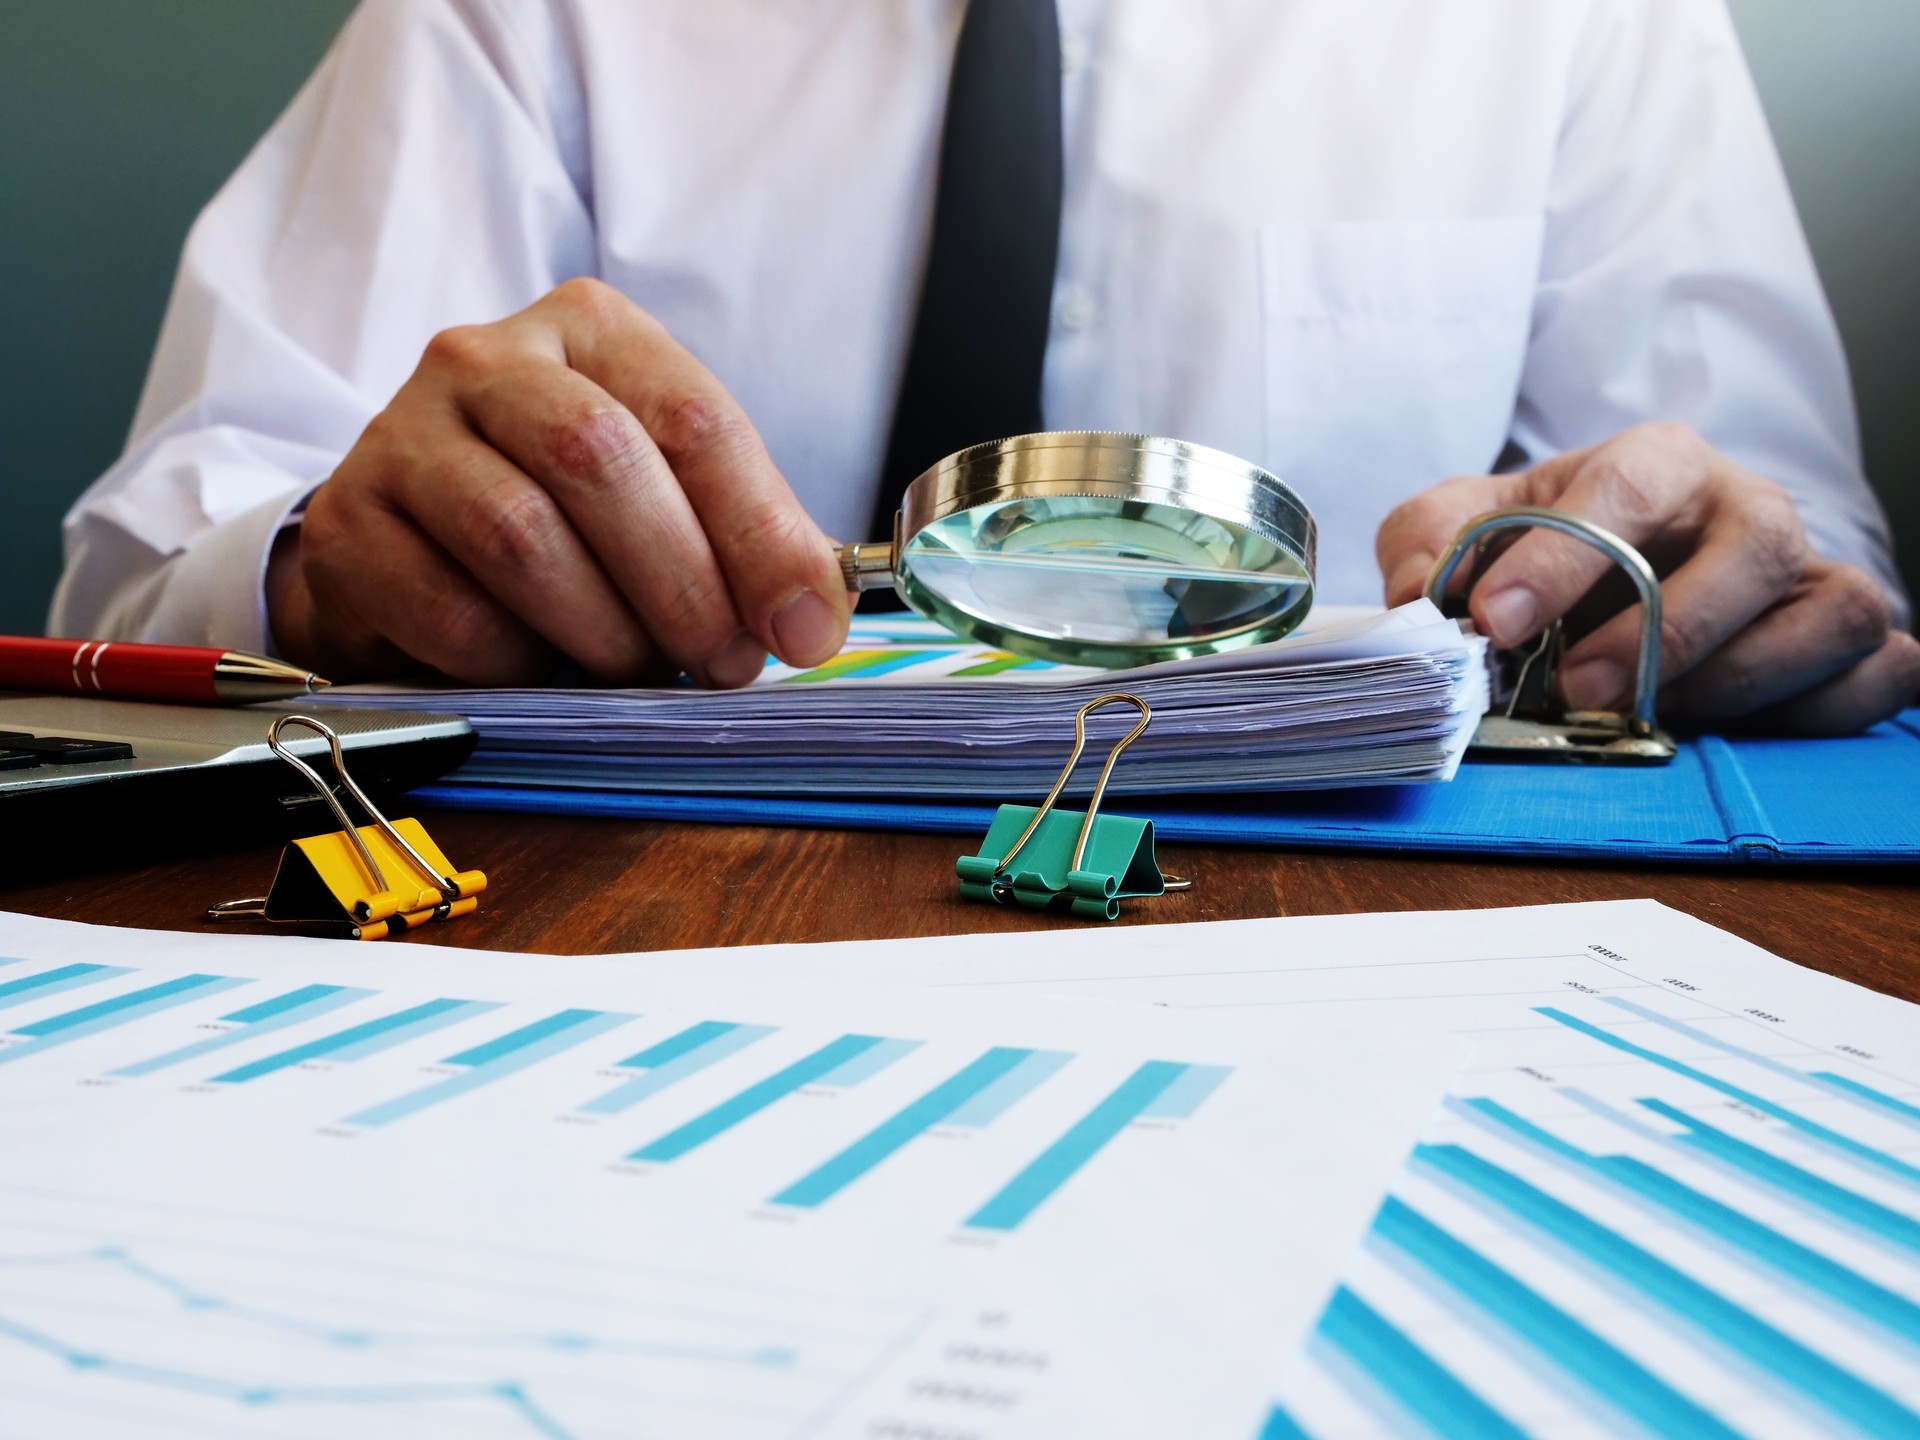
(1658, 1219)
(496, 1059)
(358, 1042)
(1159, 1089)
(19, 989)
(53, 1031)
(311, 1190)
(250, 1022)
(672, 1060)
(845, 1061)
(1676, 1192)
(972, 1097)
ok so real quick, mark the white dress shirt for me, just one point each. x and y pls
(1368, 243)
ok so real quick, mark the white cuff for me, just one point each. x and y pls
(216, 587)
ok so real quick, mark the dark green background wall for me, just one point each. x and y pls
(118, 118)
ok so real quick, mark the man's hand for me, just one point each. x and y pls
(565, 482)
(1755, 624)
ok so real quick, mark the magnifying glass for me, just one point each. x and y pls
(1098, 549)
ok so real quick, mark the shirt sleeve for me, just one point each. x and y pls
(426, 176)
(1676, 283)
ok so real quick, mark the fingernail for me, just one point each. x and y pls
(1409, 579)
(1593, 685)
(740, 660)
(1511, 615)
(807, 629)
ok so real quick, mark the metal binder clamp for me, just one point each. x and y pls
(1084, 863)
(339, 880)
(1533, 724)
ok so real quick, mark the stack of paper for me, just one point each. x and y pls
(909, 710)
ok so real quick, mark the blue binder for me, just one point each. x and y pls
(1722, 800)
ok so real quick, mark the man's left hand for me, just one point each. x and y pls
(1755, 624)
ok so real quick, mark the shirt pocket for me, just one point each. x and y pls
(1392, 355)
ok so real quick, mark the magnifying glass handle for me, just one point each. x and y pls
(868, 565)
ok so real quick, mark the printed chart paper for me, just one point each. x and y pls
(1675, 1193)
(304, 1188)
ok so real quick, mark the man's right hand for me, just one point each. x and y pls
(564, 482)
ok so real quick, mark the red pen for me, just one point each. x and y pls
(178, 674)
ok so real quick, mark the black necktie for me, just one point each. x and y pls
(980, 339)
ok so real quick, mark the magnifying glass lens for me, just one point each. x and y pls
(1103, 580)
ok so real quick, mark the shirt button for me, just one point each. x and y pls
(1073, 54)
(1076, 310)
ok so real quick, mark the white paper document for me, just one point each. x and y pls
(909, 710)
(303, 1188)
(1675, 1193)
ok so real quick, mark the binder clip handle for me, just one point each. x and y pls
(1534, 725)
(1116, 697)
(386, 901)
(318, 874)
(1110, 858)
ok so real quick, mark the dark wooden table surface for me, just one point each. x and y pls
(573, 886)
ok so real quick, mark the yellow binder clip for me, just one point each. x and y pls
(339, 880)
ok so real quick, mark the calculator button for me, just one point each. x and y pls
(66, 750)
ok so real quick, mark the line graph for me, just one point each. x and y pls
(204, 1330)
(511, 1394)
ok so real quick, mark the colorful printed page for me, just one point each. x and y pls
(907, 648)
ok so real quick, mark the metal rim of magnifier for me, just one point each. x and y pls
(1062, 464)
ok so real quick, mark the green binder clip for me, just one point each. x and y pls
(1084, 863)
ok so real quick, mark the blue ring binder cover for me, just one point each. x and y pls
(1722, 799)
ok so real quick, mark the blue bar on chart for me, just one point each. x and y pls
(1059, 1162)
(1280, 1425)
(832, 1064)
(674, 1059)
(52, 982)
(498, 1058)
(1866, 1215)
(1706, 1037)
(309, 1002)
(867, 1063)
(1823, 1135)
(1184, 1096)
(1606, 1372)
(1854, 1090)
(1903, 1110)
(1775, 1354)
(1714, 1220)
(1019, 1082)
(368, 1038)
(1408, 1379)
(944, 1103)
(120, 1010)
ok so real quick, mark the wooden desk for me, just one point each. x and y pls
(571, 886)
